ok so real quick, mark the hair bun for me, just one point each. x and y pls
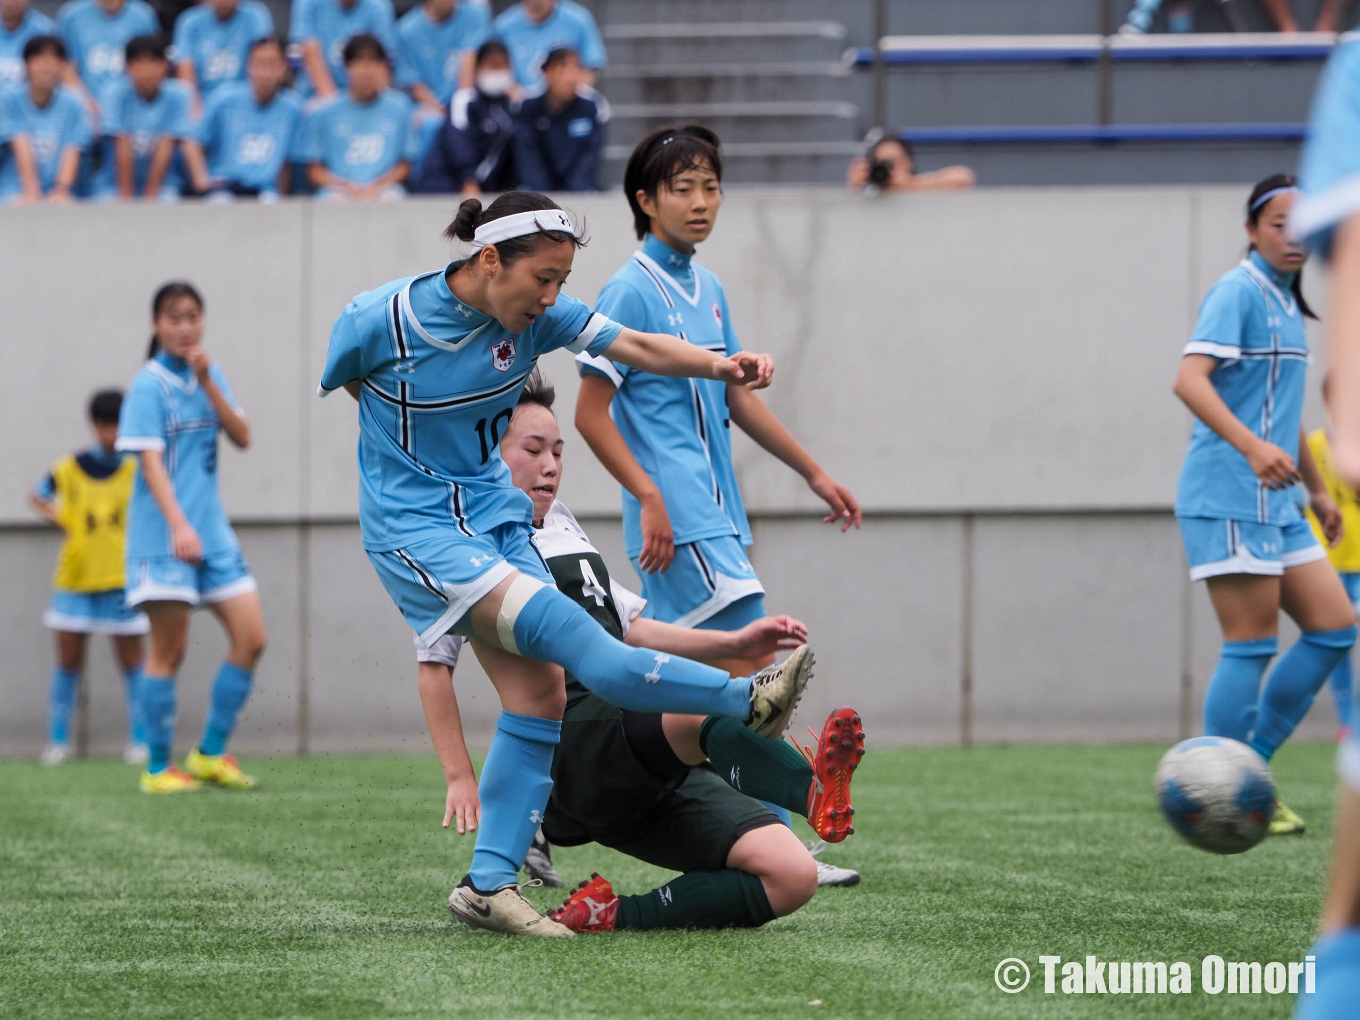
(464, 225)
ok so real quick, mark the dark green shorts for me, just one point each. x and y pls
(603, 794)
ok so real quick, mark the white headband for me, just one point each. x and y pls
(522, 224)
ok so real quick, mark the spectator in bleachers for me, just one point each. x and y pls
(96, 32)
(436, 41)
(211, 42)
(324, 27)
(18, 24)
(560, 134)
(249, 132)
(475, 149)
(44, 130)
(532, 29)
(144, 117)
(360, 145)
(891, 166)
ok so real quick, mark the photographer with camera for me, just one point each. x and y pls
(889, 165)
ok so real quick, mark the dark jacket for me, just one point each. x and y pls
(561, 151)
(477, 142)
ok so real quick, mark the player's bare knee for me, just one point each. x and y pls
(248, 647)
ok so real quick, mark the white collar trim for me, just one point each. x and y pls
(1289, 305)
(160, 370)
(657, 268)
(409, 314)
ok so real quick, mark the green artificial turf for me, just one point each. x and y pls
(322, 895)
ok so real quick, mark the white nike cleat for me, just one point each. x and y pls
(55, 754)
(505, 910)
(776, 691)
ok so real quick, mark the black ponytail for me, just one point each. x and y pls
(471, 215)
(1255, 206)
(169, 292)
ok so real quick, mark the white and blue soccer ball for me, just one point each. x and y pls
(1217, 793)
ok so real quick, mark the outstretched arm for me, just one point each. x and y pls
(662, 354)
(756, 640)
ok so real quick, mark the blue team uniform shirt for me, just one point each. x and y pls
(219, 48)
(361, 141)
(333, 25)
(12, 44)
(63, 124)
(167, 410)
(561, 150)
(679, 430)
(1253, 325)
(96, 41)
(145, 122)
(569, 26)
(440, 382)
(432, 54)
(1329, 174)
(247, 143)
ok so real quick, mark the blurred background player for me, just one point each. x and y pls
(532, 29)
(436, 45)
(359, 145)
(18, 24)
(640, 782)
(181, 550)
(86, 495)
(144, 118)
(96, 33)
(212, 40)
(249, 132)
(667, 441)
(1345, 553)
(46, 127)
(323, 27)
(561, 131)
(474, 150)
(1242, 376)
(451, 538)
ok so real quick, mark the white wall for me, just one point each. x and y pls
(988, 371)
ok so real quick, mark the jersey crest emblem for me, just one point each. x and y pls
(503, 354)
(717, 314)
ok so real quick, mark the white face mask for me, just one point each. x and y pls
(495, 83)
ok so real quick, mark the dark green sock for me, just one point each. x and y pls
(698, 899)
(768, 770)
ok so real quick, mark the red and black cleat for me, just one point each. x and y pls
(592, 906)
(839, 749)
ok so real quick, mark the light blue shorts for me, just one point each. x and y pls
(703, 580)
(1216, 547)
(435, 581)
(218, 578)
(94, 612)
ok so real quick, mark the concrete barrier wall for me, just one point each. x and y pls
(989, 372)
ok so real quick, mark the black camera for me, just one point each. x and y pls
(880, 171)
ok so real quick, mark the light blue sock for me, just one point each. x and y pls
(1230, 701)
(514, 788)
(553, 628)
(1341, 688)
(157, 698)
(132, 684)
(229, 692)
(61, 704)
(1294, 683)
(1337, 970)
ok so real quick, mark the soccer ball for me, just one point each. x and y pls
(1217, 793)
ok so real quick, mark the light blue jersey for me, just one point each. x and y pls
(569, 25)
(96, 40)
(1253, 325)
(145, 122)
(63, 124)
(12, 44)
(678, 429)
(431, 53)
(361, 141)
(167, 410)
(218, 48)
(333, 24)
(440, 382)
(1329, 174)
(247, 143)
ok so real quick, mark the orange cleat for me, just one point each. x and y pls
(839, 749)
(591, 907)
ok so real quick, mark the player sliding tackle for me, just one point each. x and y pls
(631, 780)
(437, 363)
